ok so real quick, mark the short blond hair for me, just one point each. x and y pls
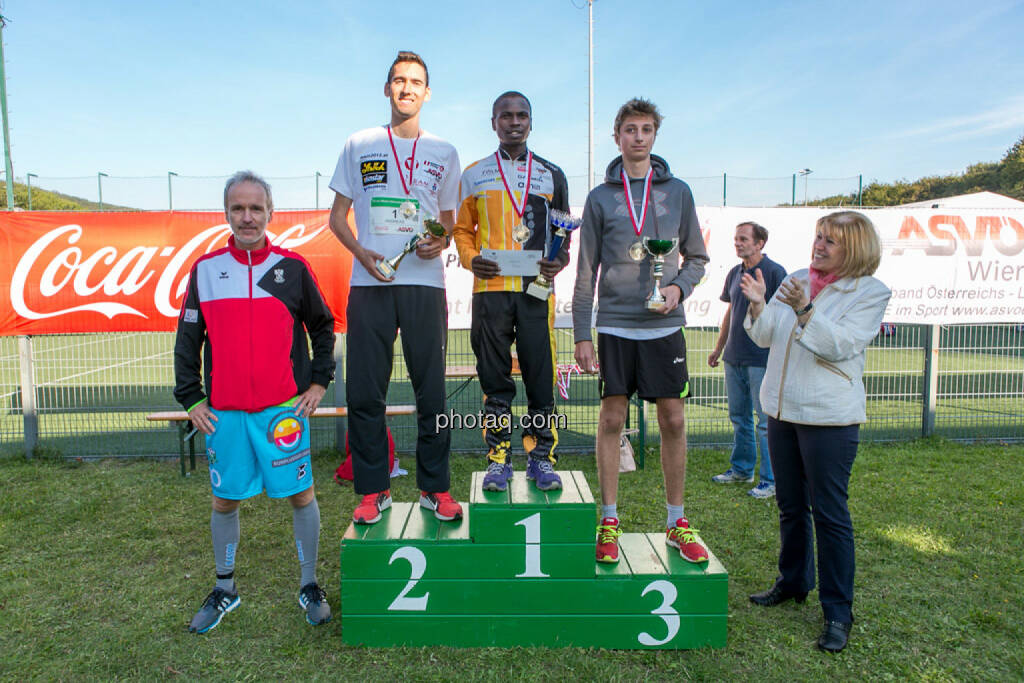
(857, 235)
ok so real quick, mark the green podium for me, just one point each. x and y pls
(519, 570)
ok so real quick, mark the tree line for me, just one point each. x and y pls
(1005, 177)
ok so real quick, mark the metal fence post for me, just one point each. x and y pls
(28, 395)
(792, 202)
(723, 190)
(341, 424)
(28, 181)
(930, 385)
(170, 193)
(860, 190)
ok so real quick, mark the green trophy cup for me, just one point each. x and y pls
(658, 249)
(431, 228)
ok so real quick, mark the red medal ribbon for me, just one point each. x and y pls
(398, 161)
(638, 226)
(526, 194)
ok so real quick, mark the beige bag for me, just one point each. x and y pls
(626, 461)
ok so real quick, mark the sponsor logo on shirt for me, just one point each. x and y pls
(374, 173)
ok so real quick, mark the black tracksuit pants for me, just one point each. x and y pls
(374, 316)
(499, 319)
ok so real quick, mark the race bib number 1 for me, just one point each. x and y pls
(394, 216)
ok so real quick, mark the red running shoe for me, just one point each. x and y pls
(368, 511)
(444, 507)
(682, 536)
(608, 533)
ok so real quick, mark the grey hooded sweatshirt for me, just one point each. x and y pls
(605, 237)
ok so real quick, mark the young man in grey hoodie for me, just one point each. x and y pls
(641, 349)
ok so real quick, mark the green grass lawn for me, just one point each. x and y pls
(102, 565)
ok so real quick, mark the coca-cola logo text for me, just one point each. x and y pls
(57, 268)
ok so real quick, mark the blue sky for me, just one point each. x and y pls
(755, 89)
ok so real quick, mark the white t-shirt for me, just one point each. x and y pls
(368, 174)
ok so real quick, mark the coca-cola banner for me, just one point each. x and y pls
(63, 272)
(109, 272)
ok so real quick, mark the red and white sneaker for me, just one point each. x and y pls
(368, 511)
(444, 507)
(608, 533)
(682, 536)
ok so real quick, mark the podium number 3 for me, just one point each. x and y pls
(665, 610)
(417, 565)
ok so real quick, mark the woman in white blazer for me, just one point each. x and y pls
(817, 327)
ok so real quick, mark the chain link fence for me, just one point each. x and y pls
(93, 391)
(312, 191)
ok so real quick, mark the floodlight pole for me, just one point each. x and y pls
(28, 182)
(8, 166)
(590, 95)
(805, 172)
(99, 185)
(170, 196)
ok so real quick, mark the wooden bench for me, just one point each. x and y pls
(468, 373)
(187, 434)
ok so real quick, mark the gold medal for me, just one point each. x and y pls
(520, 234)
(637, 251)
(407, 209)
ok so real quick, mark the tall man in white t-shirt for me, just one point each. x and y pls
(395, 176)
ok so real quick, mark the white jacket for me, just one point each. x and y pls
(815, 373)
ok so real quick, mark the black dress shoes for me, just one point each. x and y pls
(776, 595)
(834, 636)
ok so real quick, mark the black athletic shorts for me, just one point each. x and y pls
(653, 368)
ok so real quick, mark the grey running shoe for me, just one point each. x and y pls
(731, 476)
(314, 601)
(218, 603)
(762, 490)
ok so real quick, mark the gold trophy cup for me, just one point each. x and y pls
(431, 228)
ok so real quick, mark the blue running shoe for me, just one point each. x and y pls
(313, 601)
(498, 475)
(218, 603)
(543, 475)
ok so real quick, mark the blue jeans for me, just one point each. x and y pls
(743, 389)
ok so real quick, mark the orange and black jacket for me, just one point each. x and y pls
(486, 214)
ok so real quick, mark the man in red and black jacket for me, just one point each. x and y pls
(245, 319)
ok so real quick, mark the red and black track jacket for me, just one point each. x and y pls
(251, 310)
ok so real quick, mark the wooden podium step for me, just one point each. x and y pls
(519, 570)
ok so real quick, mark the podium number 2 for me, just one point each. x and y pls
(665, 610)
(531, 528)
(417, 565)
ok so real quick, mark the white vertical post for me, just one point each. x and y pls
(930, 388)
(590, 94)
(341, 424)
(28, 395)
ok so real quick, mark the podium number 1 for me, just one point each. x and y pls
(531, 527)
(665, 610)
(417, 565)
